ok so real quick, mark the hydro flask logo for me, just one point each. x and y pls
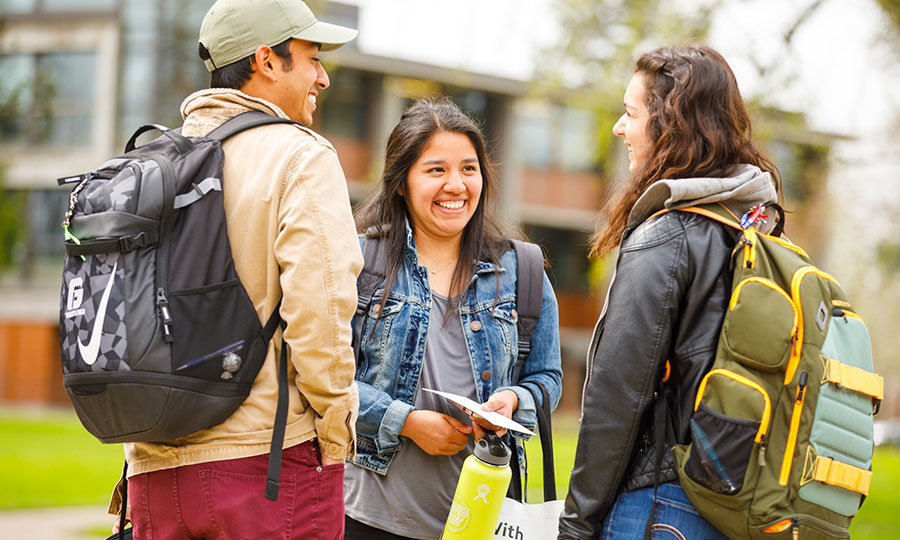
(483, 490)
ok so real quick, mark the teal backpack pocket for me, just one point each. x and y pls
(838, 461)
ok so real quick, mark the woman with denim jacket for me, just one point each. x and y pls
(447, 322)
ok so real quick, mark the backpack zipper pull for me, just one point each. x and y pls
(73, 200)
(762, 451)
(801, 386)
(795, 529)
(164, 314)
(72, 238)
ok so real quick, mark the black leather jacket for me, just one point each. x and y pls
(667, 301)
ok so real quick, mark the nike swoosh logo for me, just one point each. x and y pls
(89, 352)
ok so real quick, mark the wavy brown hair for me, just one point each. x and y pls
(485, 235)
(698, 124)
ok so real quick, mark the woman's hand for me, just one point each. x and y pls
(435, 433)
(504, 402)
(115, 527)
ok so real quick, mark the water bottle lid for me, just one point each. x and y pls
(490, 450)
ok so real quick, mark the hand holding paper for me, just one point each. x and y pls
(473, 408)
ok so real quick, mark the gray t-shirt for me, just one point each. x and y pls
(414, 497)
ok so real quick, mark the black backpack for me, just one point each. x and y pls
(158, 337)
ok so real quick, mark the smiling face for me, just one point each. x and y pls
(299, 81)
(632, 125)
(443, 187)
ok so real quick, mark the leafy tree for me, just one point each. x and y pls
(891, 8)
(602, 40)
(11, 225)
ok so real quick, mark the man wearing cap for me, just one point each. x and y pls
(293, 239)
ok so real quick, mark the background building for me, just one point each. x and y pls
(79, 76)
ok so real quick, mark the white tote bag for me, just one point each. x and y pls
(522, 521)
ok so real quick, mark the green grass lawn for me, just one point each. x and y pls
(48, 459)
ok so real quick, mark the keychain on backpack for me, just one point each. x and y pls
(751, 217)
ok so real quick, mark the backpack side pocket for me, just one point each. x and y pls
(725, 432)
(838, 460)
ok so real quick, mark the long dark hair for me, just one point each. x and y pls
(484, 237)
(698, 124)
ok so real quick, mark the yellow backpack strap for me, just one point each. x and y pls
(841, 474)
(716, 212)
(854, 378)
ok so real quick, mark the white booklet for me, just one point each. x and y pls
(470, 407)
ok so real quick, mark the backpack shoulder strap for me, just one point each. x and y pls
(545, 429)
(715, 212)
(244, 121)
(372, 275)
(529, 292)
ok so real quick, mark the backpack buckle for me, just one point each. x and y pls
(139, 240)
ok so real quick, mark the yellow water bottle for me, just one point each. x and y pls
(479, 492)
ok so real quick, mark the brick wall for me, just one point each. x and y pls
(30, 369)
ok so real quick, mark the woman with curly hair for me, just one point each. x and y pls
(689, 142)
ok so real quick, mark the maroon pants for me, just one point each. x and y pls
(225, 500)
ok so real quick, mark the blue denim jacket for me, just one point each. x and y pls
(392, 349)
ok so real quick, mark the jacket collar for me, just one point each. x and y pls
(205, 110)
(412, 253)
(230, 100)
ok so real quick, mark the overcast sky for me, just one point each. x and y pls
(845, 81)
(843, 77)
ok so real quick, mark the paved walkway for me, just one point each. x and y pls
(65, 523)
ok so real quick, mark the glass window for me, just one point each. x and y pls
(47, 99)
(345, 104)
(58, 6)
(15, 95)
(37, 236)
(578, 140)
(72, 6)
(532, 136)
(339, 13)
(565, 251)
(66, 119)
(17, 6)
(137, 67)
(45, 211)
(473, 102)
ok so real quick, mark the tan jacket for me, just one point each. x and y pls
(292, 234)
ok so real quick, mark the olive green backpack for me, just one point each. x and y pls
(782, 431)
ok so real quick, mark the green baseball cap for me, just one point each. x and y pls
(233, 29)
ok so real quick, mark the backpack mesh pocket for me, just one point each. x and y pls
(721, 450)
(731, 418)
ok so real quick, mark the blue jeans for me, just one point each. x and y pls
(675, 518)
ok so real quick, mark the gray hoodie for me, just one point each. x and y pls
(748, 187)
